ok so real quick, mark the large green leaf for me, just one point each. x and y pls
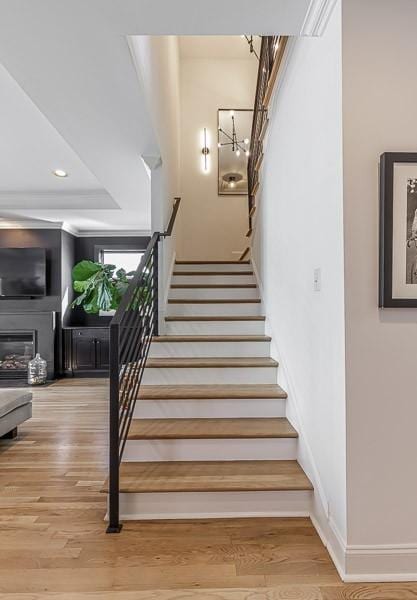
(85, 269)
(81, 286)
(104, 295)
(91, 304)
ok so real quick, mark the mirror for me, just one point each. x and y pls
(234, 131)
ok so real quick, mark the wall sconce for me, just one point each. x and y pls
(205, 152)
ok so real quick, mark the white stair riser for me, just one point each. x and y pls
(205, 376)
(215, 327)
(216, 293)
(217, 279)
(208, 310)
(210, 408)
(200, 505)
(219, 449)
(209, 349)
(214, 267)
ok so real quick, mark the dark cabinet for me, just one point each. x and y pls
(86, 351)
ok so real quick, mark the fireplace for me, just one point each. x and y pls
(17, 348)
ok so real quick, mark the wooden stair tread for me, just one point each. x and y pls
(211, 262)
(211, 338)
(213, 476)
(215, 318)
(199, 429)
(216, 362)
(176, 286)
(216, 273)
(214, 301)
(209, 392)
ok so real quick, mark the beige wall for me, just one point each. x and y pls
(380, 114)
(211, 226)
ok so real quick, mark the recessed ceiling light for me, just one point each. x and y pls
(60, 173)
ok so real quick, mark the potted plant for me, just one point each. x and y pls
(100, 288)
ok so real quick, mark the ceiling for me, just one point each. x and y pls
(216, 46)
(71, 97)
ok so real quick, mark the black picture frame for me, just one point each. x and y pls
(386, 195)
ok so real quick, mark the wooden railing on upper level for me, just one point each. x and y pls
(131, 332)
(270, 58)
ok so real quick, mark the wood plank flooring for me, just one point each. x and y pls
(53, 543)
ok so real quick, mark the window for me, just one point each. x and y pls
(123, 259)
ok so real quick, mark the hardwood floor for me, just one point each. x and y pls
(53, 543)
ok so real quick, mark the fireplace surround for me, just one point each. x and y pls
(22, 334)
(17, 348)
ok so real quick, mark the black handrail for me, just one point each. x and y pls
(131, 330)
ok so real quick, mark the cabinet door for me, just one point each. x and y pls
(103, 352)
(84, 351)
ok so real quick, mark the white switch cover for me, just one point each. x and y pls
(317, 280)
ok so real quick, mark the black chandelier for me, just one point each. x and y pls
(237, 146)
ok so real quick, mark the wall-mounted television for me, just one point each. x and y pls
(22, 272)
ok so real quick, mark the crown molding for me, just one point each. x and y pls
(28, 224)
(317, 17)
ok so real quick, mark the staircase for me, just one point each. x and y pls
(209, 436)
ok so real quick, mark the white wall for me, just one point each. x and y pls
(157, 63)
(212, 226)
(300, 229)
(380, 114)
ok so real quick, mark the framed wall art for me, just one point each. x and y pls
(398, 230)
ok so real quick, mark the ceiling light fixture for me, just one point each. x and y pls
(231, 180)
(60, 173)
(237, 146)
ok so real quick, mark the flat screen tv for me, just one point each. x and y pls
(22, 272)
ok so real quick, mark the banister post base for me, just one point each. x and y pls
(113, 529)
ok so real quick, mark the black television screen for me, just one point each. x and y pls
(22, 272)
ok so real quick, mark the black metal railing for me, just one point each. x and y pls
(270, 46)
(131, 332)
